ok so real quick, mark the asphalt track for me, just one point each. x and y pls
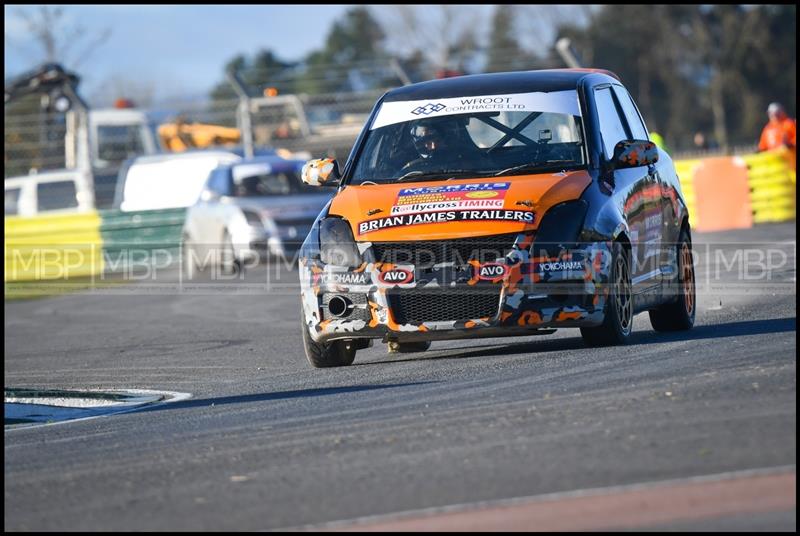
(267, 442)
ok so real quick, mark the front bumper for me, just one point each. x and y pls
(514, 295)
(254, 243)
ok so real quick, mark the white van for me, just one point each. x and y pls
(53, 192)
(168, 180)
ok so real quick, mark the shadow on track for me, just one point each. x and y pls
(280, 395)
(717, 331)
(713, 331)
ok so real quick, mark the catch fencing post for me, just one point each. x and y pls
(243, 113)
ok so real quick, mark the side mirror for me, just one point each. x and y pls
(634, 153)
(321, 172)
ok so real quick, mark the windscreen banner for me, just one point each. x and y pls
(562, 102)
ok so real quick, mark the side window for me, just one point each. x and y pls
(631, 114)
(220, 181)
(56, 195)
(612, 129)
(12, 201)
(116, 143)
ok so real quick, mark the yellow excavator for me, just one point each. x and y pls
(181, 135)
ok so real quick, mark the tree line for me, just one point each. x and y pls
(692, 69)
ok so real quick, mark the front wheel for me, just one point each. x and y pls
(228, 263)
(679, 314)
(333, 354)
(618, 322)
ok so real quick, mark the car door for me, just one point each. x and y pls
(636, 192)
(659, 226)
(206, 221)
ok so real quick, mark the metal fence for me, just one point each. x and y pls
(319, 122)
(34, 139)
(37, 141)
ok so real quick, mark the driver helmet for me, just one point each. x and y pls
(427, 138)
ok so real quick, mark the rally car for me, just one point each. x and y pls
(494, 205)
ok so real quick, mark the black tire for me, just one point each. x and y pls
(618, 322)
(679, 314)
(409, 347)
(334, 354)
(228, 263)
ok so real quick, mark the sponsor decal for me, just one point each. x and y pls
(492, 271)
(562, 102)
(396, 276)
(418, 208)
(344, 278)
(482, 195)
(560, 266)
(653, 221)
(523, 216)
(456, 190)
(429, 108)
(450, 197)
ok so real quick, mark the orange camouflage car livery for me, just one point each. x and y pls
(490, 206)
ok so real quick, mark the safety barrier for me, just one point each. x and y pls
(128, 237)
(770, 179)
(772, 186)
(60, 246)
(70, 246)
(76, 245)
(685, 170)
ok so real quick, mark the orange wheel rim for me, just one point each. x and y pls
(688, 278)
(623, 294)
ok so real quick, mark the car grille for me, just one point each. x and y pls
(430, 252)
(409, 305)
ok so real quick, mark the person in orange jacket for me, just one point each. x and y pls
(781, 131)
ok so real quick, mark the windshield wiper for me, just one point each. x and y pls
(532, 166)
(409, 175)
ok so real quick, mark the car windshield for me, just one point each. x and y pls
(118, 142)
(440, 140)
(268, 184)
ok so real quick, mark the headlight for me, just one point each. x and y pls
(252, 218)
(559, 229)
(337, 244)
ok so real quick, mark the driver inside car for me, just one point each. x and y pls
(439, 145)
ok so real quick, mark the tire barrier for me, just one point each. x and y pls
(773, 185)
(134, 237)
(721, 193)
(736, 192)
(73, 246)
(63, 246)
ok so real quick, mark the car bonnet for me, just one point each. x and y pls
(437, 210)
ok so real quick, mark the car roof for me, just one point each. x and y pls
(496, 84)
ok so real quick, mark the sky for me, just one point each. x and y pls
(180, 50)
